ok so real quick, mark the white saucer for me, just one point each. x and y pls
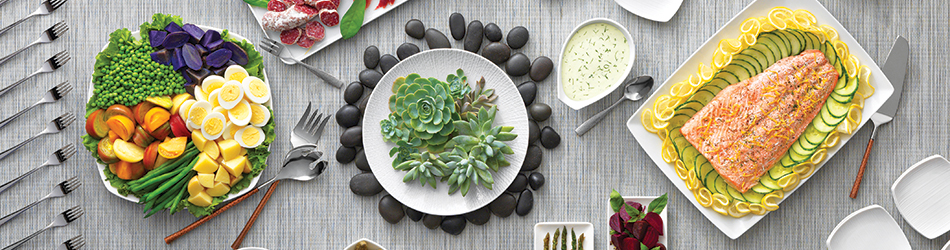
(922, 195)
(868, 228)
(656, 10)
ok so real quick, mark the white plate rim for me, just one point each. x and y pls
(589, 230)
(132, 198)
(735, 227)
(380, 161)
(352, 246)
(575, 104)
(932, 234)
(870, 208)
(332, 33)
(659, 16)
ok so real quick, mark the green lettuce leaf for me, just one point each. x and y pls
(255, 62)
(159, 21)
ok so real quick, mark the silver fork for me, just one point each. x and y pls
(61, 189)
(309, 128)
(62, 219)
(59, 29)
(53, 95)
(75, 243)
(275, 48)
(55, 159)
(53, 127)
(45, 8)
(51, 65)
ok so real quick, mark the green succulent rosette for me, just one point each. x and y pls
(425, 108)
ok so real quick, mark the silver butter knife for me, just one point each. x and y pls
(894, 69)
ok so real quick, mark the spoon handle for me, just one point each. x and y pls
(257, 212)
(183, 231)
(594, 120)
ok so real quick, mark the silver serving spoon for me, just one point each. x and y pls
(634, 90)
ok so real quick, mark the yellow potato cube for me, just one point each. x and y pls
(205, 164)
(236, 165)
(211, 148)
(198, 139)
(201, 199)
(194, 186)
(235, 179)
(222, 175)
(219, 189)
(230, 149)
(206, 180)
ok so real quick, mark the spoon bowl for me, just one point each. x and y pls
(634, 89)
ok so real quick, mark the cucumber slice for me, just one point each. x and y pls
(735, 71)
(798, 153)
(774, 44)
(798, 47)
(748, 62)
(759, 189)
(721, 185)
(710, 181)
(794, 44)
(786, 161)
(843, 99)
(763, 50)
(812, 136)
(837, 109)
(814, 42)
(688, 156)
(704, 169)
(778, 172)
(760, 58)
(830, 53)
(784, 46)
(824, 124)
(735, 193)
(754, 197)
(769, 183)
(849, 88)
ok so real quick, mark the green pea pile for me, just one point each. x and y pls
(131, 76)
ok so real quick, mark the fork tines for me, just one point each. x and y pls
(64, 120)
(52, 5)
(75, 243)
(73, 213)
(58, 60)
(57, 30)
(69, 185)
(61, 90)
(65, 152)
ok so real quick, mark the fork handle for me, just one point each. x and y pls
(183, 231)
(5, 29)
(24, 240)
(17, 52)
(257, 212)
(7, 120)
(6, 89)
(10, 216)
(10, 183)
(322, 74)
(9, 151)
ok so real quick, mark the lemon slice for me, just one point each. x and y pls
(803, 18)
(831, 140)
(736, 212)
(865, 87)
(777, 17)
(749, 39)
(852, 66)
(646, 119)
(819, 156)
(703, 197)
(830, 33)
(694, 182)
(663, 133)
(765, 24)
(705, 73)
(660, 124)
(681, 89)
(789, 182)
(660, 102)
(770, 201)
(721, 59)
(842, 49)
(804, 170)
(854, 116)
(668, 153)
(665, 115)
(750, 26)
(681, 170)
(757, 209)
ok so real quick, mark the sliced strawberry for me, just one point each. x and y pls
(306, 42)
(290, 36)
(330, 17)
(315, 31)
(276, 6)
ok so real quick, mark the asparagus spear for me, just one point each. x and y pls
(547, 238)
(573, 239)
(564, 238)
(557, 234)
(581, 239)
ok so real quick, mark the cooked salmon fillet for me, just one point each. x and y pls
(750, 125)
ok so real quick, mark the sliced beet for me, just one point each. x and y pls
(176, 39)
(218, 58)
(162, 56)
(655, 221)
(156, 37)
(238, 55)
(173, 27)
(177, 62)
(211, 39)
(194, 31)
(192, 58)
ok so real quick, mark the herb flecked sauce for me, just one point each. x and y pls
(594, 61)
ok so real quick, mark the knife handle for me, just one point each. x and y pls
(864, 164)
(257, 212)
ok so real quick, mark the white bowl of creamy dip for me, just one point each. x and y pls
(594, 61)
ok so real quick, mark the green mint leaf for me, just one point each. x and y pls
(658, 204)
(615, 200)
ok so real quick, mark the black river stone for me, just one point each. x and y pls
(532, 159)
(345, 155)
(413, 214)
(525, 203)
(370, 77)
(457, 26)
(503, 205)
(541, 68)
(549, 138)
(431, 221)
(528, 91)
(536, 180)
(371, 57)
(352, 137)
(493, 32)
(539, 111)
(365, 184)
(386, 62)
(415, 29)
(361, 162)
(436, 40)
(405, 50)
(496, 52)
(479, 217)
(517, 37)
(473, 36)
(391, 209)
(519, 184)
(453, 225)
(534, 132)
(353, 93)
(518, 65)
(348, 116)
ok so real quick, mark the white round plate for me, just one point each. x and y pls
(438, 63)
(132, 198)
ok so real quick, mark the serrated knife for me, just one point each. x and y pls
(894, 69)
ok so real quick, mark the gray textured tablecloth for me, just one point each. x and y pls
(324, 214)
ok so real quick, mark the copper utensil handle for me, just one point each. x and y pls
(183, 231)
(257, 212)
(864, 164)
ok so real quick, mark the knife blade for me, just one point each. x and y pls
(895, 68)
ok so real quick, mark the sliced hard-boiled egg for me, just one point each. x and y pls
(235, 73)
(256, 90)
(213, 126)
(221, 111)
(241, 114)
(249, 137)
(197, 114)
(201, 95)
(185, 107)
(213, 98)
(259, 115)
(230, 130)
(231, 94)
(212, 83)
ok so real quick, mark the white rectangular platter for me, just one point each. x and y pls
(332, 33)
(651, 143)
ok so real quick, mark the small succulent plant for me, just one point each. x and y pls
(479, 138)
(425, 167)
(464, 169)
(458, 84)
(426, 109)
(392, 131)
(477, 98)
